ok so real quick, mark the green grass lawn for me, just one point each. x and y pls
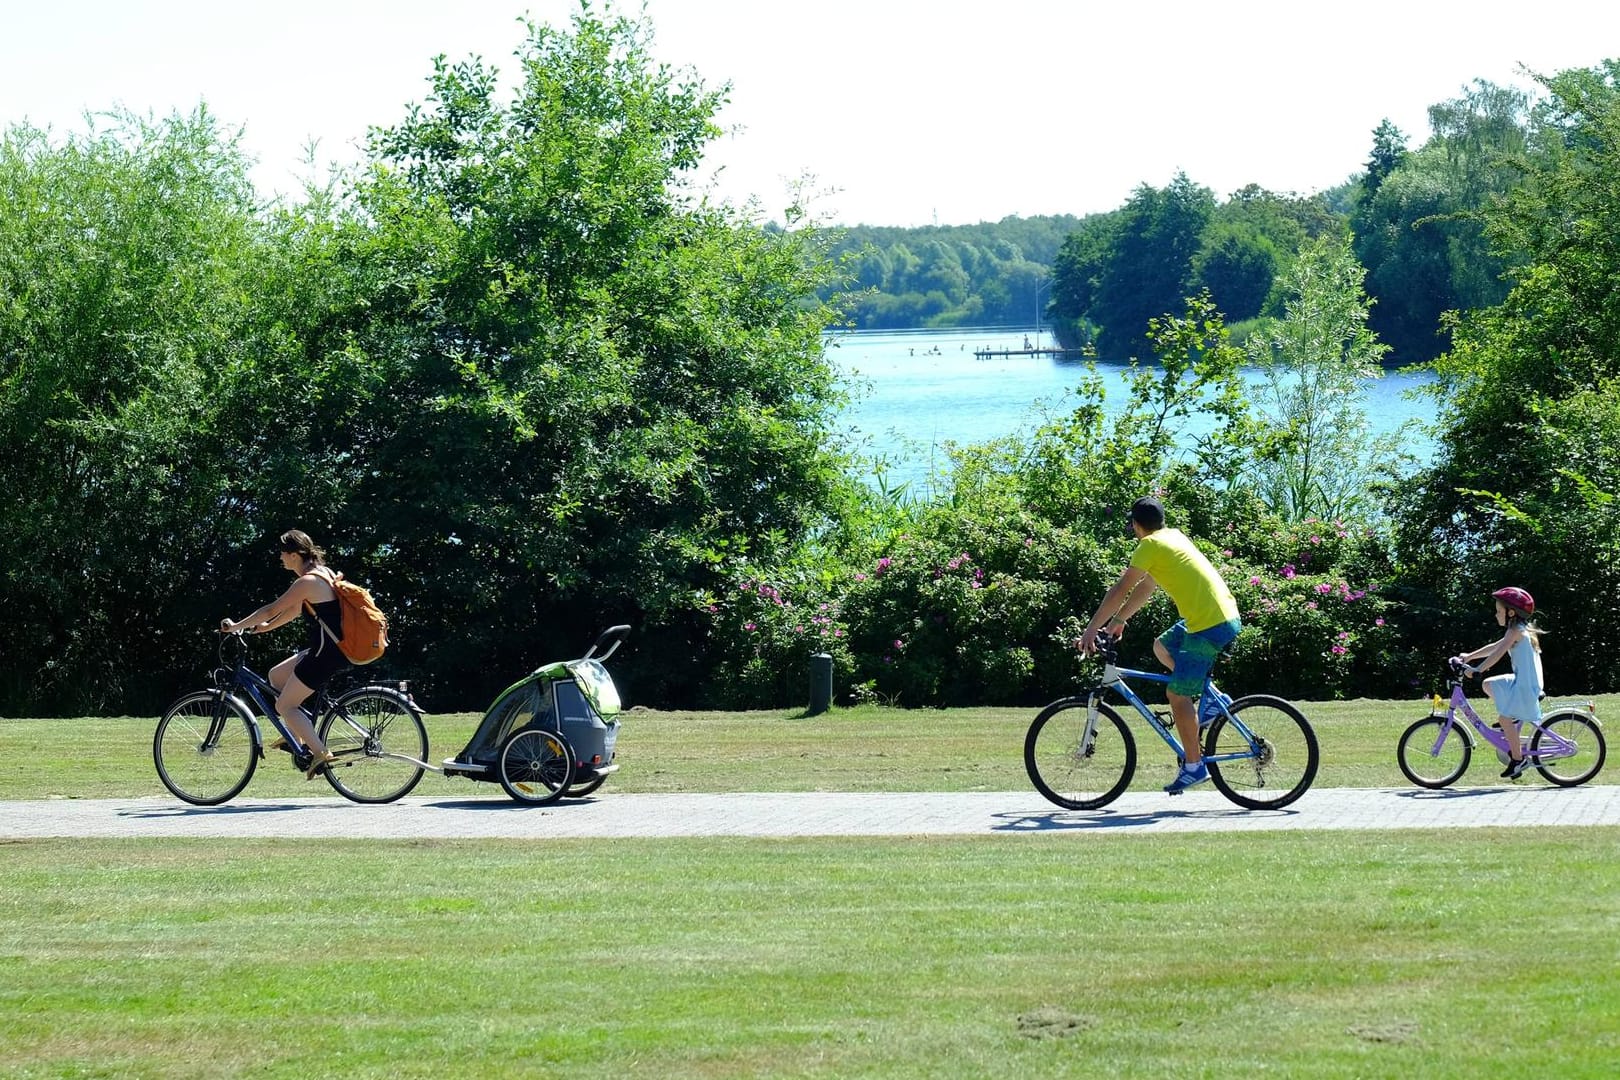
(1351, 954)
(864, 749)
(1465, 953)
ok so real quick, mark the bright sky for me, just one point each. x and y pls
(905, 111)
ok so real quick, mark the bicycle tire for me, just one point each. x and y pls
(581, 788)
(536, 766)
(1072, 776)
(1285, 737)
(1418, 759)
(1586, 733)
(366, 770)
(205, 748)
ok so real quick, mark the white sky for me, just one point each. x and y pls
(904, 111)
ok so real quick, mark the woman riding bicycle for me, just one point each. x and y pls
(308, 670)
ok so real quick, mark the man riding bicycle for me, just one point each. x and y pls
(1166, 559)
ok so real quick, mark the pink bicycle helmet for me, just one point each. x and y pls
(1515, 597)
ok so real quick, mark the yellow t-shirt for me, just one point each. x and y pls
(1180, 569)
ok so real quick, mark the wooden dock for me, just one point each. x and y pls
(1060, 354)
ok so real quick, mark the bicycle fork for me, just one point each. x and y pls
(1088, 736)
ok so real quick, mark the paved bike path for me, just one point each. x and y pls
(805, 814)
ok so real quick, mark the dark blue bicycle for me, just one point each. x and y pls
(207, 745)
(1261, 751)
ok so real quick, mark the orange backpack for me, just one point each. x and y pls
(365, 627)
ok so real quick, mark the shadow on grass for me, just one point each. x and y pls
(1072, 820)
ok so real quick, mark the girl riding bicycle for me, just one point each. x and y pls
(1517, 697)
(306, 671)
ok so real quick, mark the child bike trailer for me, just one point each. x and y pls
(551, 734)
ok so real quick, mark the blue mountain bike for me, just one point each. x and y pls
(1261, 751)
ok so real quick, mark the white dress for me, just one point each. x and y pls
(1518, 696)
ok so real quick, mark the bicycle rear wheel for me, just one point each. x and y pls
(1590, 749)
(1426, 760)
(379, 740)
(1273, 769)
(204, 748)
(1068, 770)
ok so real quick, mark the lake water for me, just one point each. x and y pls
(915, 390)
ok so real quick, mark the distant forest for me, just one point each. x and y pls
(990, 274)
(1414, 217)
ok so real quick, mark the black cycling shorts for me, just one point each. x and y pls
(316, 667)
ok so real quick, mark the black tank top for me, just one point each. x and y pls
(329, 612)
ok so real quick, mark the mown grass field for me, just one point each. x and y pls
(1459, 953)
(864, 749)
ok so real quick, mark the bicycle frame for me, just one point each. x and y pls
(263, 703)
(1116, 678)
(1552, 747)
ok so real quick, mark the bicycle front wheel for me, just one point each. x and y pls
(1072, 770)
(1272, 762)
(1572, 725)
(380, 744)
(204, 748)
(1433, 755)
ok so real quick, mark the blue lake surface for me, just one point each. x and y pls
(915, 390)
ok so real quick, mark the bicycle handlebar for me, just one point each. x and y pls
(1107, 646)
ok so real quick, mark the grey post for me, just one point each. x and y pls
(821, 680)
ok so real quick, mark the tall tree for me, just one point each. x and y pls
(1525, 486)
(1418, 224)
(1314, 456)
(599, 388)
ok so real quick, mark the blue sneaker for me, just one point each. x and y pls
(1187, 777)
(1210, 707)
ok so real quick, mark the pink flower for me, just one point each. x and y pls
(1316, 539)
(1378, 622)
(860, 577)
(749, 626)
(1227, 552)
(1323, 589)
(883, 564)
(1311, 605)
(1255, 580)
(899, 644)
(1288, 570)
(1029, 541)
(1344, 635)
(1339, 650)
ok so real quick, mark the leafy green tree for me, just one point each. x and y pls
(1314, 456)
(151, 328)
(1523, 486)
(1150, 267)
(1121, 270)
(597, 388)
(1418, 225)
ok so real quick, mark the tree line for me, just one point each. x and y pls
(1415, 216)
(523, 382)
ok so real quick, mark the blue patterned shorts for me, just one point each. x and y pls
(1194, 654)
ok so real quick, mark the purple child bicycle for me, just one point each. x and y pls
(1566, 746)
